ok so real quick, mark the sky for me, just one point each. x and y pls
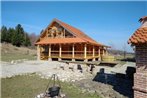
(108, 22)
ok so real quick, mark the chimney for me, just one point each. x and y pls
(143, 21)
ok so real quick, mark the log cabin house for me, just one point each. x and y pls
(61, 41)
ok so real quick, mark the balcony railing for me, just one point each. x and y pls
(68, 54)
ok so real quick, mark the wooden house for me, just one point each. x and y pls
(64, 42)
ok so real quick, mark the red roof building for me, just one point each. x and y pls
(62, 41)
(139, 40)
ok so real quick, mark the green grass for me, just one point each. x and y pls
(9, 57)
(27, 86)
(121, 57)
(10, 52)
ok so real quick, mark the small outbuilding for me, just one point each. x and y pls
(139, 40)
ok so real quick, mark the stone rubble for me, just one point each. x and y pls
(46, 68)
(43, 68)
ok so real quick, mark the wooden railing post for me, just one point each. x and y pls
(38, 52)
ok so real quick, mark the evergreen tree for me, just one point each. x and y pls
(15, 36)
(27, 41)
(10, 34)
(4, 34)
(18, 37)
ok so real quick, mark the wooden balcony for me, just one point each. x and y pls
(68, 55)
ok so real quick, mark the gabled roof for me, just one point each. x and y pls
(139, 37)
(80, 36)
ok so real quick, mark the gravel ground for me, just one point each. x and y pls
(43, 68)
(111, 89)
(46, 69)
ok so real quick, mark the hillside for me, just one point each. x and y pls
(10, 52)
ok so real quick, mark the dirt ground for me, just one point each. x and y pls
(104, 81)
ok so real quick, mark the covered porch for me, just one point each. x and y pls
(78, 51)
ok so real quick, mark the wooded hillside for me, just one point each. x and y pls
(17, 36)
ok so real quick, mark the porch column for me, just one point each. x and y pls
(93, 53)
(99, 53)
(49, 52)
(38, 52)
(85, 52)
(60, 52)
(73, 52)
(103, 51)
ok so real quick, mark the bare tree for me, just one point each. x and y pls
(124, 51)
(33, 37)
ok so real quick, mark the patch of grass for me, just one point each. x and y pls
(14, 56)
(121, 57)
(123, 61)
(27, 86)
(10, 52)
